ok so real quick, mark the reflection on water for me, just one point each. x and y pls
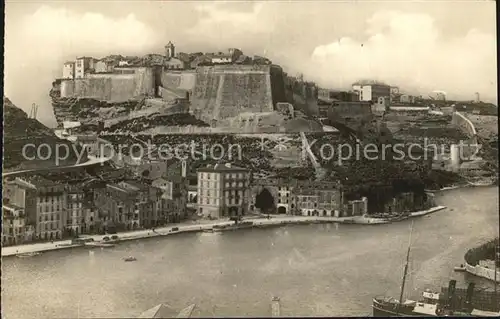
(322, 270)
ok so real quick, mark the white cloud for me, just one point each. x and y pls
(221, 23)
(37, 45)
(406, 50)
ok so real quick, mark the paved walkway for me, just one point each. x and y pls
(200, 226)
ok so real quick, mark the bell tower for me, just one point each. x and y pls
(170, 50)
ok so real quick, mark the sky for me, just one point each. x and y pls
(419, 46)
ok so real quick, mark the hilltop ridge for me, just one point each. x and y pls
(19, 131)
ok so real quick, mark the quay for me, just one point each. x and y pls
(203, 226)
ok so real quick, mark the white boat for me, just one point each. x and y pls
(99, 244)
(228, 227)
(482, 183)
(365, 220)
(421, 213)
(26, 255)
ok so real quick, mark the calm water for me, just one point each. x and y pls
(316, 270)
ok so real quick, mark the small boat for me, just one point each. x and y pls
(482, 183)
(228, 227)
(99, 244)
(26, 255)
(129, 258)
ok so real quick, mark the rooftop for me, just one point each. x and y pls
(159, 311)
(120, 188)
(222, 168)
(369, 82)
(134, 185)
(36, 181)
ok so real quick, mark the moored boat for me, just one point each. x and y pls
(99, 244)
(130, 258)
(27, 255)
(228, 227)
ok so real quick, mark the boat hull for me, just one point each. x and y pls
(231, 228)
(390, 310)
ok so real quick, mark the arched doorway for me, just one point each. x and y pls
(233, 212)
(264, 201)
(282, 210)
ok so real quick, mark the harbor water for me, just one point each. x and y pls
(316, 270)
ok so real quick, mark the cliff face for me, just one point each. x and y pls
(20, 131)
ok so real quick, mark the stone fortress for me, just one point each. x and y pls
(231, 92)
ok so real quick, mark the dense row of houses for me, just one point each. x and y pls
(171, 60)
(37, 208)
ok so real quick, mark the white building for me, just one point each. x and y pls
(69, 70)
(103, 67)
(222, 58)
(83, 65)
(223, 191)
(371, 91)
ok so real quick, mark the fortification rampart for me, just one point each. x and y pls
(112, 87)
(177, 83)
(222, 92)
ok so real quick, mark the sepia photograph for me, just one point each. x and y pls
(201, 159)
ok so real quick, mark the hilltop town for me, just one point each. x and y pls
(228, 99)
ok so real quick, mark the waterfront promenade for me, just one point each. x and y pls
(330, 270)
(194, 226)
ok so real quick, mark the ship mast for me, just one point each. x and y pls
(405, 271)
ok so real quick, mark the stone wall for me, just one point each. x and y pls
(111, 87)
(222, 92)
(481, 271)
(177, 83)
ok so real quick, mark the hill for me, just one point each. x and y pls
(19, 131)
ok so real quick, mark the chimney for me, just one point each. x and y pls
(228, 165)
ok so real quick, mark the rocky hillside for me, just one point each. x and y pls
(19, 130)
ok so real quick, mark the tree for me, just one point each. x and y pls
(264, 201)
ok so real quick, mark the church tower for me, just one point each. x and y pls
(170, 50)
